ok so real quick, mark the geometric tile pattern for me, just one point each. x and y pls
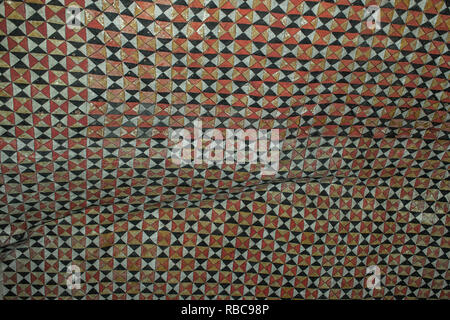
(85, 180)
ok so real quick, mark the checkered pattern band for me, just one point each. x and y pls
(90, 91)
